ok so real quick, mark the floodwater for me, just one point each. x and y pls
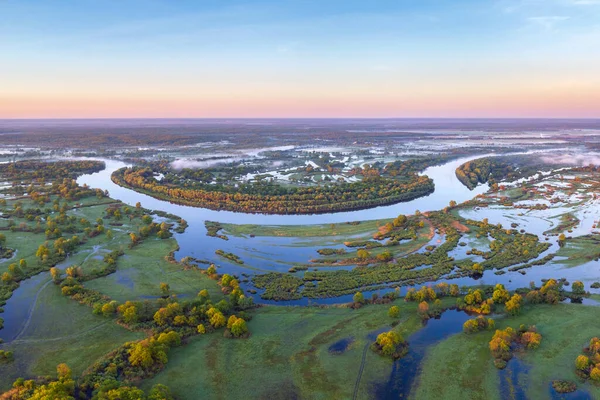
(264, 254)
(406, 370)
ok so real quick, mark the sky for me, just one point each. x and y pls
(309, 58)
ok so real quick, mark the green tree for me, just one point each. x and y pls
(358, 298)
(56, 274)
(562, 239)
(513, 306)
(164, 288)
(394, 312)
(160, 392)
(122, 393)
(239, 328)
(500, 294)
(363, 254)
(170, 339)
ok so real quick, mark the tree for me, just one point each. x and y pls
(394, 312)
(454, 290)
(358, 298)
(160, 392)
(63, 371)
(169, 339)
(129, 312)
(109, 308)
(400, 220)
(134, 238)
(582, 362)
(226, 280)
(42, 252)
(477, 269)
(513, 306)
(385, 256)
(204, 294)
(239, 328)
(595, 374)
(388, 342)
(562, 239)
(56, 274)
(74, 271)
(2, 240)
(500, 294)
(109, 234)
(217, 320)
(363, 254)
(201, 329)
(122, 393)
(531, 339)
(164, 288)
(423, 308)
(7, 277)
(146, 353)
(211, 269)
(578, 288)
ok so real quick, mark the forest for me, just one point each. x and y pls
(369, 192)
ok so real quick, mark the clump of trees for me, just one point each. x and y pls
(564, 386)
(475, 301)
(390, 344)
(551, 292)
(5, 252)
(493, 170)
(6, 356)
(359, 300)
(587, 365)
(503, 342)
(63, 387)
(478, 324)
(236, 327)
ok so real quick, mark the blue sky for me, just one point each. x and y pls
(299, 58)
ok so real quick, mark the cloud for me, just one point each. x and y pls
(547, 22)
(572, 159)
(195, 164)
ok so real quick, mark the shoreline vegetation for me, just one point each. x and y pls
(393, 183)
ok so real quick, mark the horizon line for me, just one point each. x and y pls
(295, 118)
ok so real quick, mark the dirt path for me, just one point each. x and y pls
(22, 341)
(30, 313)
(360, 371)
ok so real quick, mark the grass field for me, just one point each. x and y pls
(287, 355)
(366, 228)
(60, 330)
(461, 367)
(580, 250)
(141, 270)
